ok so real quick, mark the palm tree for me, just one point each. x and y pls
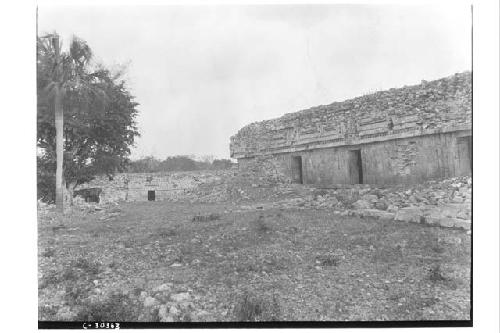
(66, 72)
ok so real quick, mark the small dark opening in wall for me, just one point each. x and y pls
(390, 124)
(297, 170)
(356, 167)
(151, 195)
(89, 194)
(465, 150)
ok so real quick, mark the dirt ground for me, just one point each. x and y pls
(161, 261)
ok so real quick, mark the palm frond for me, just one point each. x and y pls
(80, 52)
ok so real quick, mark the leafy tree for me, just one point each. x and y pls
(176, 163)
(179, 163)
(99, 115)
(145, 165)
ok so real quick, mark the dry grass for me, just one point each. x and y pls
(323, 266)
(252, 307)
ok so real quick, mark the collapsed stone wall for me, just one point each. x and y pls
(264, 170)
(445, 202)
(431, 107)
(167, 186)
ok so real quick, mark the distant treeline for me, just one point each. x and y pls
(177, 163)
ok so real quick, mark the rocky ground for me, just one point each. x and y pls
(444, 202)
(273, 252)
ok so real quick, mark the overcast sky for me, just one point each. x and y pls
(200, 73)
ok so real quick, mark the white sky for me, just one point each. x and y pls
(200, 73)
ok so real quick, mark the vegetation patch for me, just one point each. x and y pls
(206, 218)
(261, 226)
(48, 252)
(253, 307)
(116, 307)
(328, 260)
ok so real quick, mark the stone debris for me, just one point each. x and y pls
(180, 297)
(166, 287)
(164, 315)
(445, 202)
(150, 301)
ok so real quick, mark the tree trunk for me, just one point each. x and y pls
(59, 150)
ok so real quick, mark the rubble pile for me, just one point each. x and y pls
(453, 190)
(446, 202)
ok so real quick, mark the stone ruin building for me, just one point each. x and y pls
(404, 135)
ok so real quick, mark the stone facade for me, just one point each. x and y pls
(167, 186)
(404, 135)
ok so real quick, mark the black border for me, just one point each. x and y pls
(270, 324)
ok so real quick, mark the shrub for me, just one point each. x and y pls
(319, 193)
(252, 307)
(117, 307)
(47, 312)
(261, 225)
(45, 179)
(77, 291)
(328, 260)
(90, 267)
(69, 275)
(51, 278)
(48, 252)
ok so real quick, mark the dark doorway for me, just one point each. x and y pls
(89, 194)
(297, 169)
(355, 167)
(151, 195)
(464, 155)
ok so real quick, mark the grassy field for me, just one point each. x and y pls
(155, 261)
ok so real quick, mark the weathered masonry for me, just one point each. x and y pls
(404, 135)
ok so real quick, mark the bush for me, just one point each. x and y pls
(256, 308)
(90, 267)
(328, 260)
(117, 307)
(45, 179)
(48, 252)
(206, 218)
(51, 278)
(261, 225)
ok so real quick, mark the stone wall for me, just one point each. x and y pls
(167, 186)
(438, 106)
(266, 169)
(410, 160)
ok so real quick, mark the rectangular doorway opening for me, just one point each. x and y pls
(465, 154)
(355, 167)
(297, 170)
(151, 195)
